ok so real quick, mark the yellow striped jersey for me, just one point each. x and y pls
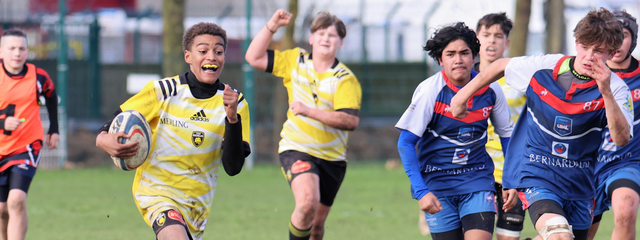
(516, 101)
(181, 172)
(335, 89)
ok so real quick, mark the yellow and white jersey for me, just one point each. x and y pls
(335, 89)
(181, 172)
(516, 101)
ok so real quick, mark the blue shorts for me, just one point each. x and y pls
(457, 206)
(579, 214)
(603, 200)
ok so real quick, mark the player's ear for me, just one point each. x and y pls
(187, 56)
(440, 62)
(506, 43)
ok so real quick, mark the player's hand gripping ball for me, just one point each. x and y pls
(133, 124)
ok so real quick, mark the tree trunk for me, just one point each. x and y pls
(555, 37)
(520, 32)
(281, 104)
(173, 29)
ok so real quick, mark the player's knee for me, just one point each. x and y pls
(556, 228)
(17, 205)
(622, 218)
(307, 208)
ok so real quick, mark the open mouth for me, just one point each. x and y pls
(210, 68)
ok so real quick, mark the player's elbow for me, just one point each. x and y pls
(622, 140)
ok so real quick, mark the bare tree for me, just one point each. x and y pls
(555, 37)
(520, 32)
(173, 29)
(280, 105)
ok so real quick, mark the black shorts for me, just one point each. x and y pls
(169, 217)
(20, 170)
(330, 173)
(512, 219)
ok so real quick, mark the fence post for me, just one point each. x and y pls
(94, 67)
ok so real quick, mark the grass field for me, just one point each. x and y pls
(373, 203)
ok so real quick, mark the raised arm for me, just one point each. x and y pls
(490, 74)
(617, 121)
(256, 54)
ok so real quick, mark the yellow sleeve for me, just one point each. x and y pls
(348, 94)
(146, 102)
(285, 61)
(243, 110)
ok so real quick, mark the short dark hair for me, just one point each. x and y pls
(599, 26)
(14, 32)
(442, 37)
(325, 20)
(202, 29)
(496, 18)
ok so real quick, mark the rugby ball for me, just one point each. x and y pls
(137, 128)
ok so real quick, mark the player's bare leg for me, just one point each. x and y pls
(18, 220)
(542, 222)
(4, 220)
(306, 193)
(477, 234)
(593, 230)
(625, 209)
(173, 232)
(422, 224)
(317, 232)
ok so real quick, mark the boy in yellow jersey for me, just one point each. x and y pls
(493, 33)
(196, 123)
(324, 102)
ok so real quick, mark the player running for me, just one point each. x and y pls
(450, 172)
(192, 116)
(324, 103)
(23, 86)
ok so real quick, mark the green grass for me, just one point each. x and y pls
(373, 203)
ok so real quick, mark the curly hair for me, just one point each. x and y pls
(599, 26)
(496, 18)
(202, 29)
(442, 37)
(325, 20)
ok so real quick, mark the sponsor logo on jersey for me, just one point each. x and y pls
(461, 156)
(560, 149)
(465, 133)
(543, 92)
(607, 144)
(562, 125)
(200, 117)
(23, 166)
(161, 219)
(175, 215)
(174, 123)
(300, 166)
(197, 138)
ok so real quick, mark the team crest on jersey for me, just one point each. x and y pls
(465, 134)
(629, 104)
(161, 219)
(560, 149)
(562, 125)
(197, 138)
(461, 156)
(607, 144)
